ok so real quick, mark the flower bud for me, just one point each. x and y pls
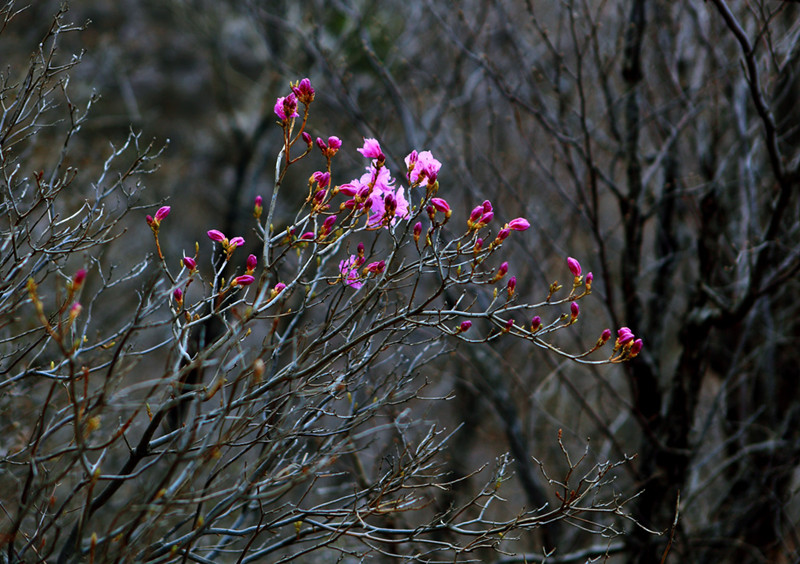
(417, 231)
(574, 310)
(487, 206)
(636, 348)
(518, 224)
(307, 236)
(605, 335)
(307, 138)
(252, 262)
(236, 242)
(327, 225)
(536, 323)
(574, 267)
(150, 221)
(441, 205)
(258, 207)
(465, 325)
(589, 280)
(78, 279)
(189, 263)
(279, 287)
(375, 267)
(508, 326)
(243, 280)
(512, 286)
(502, 235)
(334, 144)
(216, 235)
(162, 213)
(304, 91)
(75, 311)
(478, 245)
(178, 295)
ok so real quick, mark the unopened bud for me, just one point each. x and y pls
(536, 323)
(574, 310)
(465, 325)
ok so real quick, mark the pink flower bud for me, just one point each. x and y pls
(307, 236)
(486, 218)
(162, 213)
(475, 214)
(512, 286)
(236, 242)
(279, 287)
(503, 269)
(258, 207)
(178, 295)
(243, 280)
(478, 245)
(624, 339)
(216, 235)
(252, 262)
(589, 280)
(636, 347)
(509, 325)
(321, 144)
(286, 107)
(149, 219)
(307, 138)
(189, 263)
(78, 279)
(304, 91)
(417, 231)
(442, 205)
(502, 235)
(574, 266)
(375, 267)
(334, 143)
(465, 325)
(487, 206)
(605, 335)
(327, 225)
(518, 224)
(322, 178)
(536, 323)
(574, 310)
(75, 311)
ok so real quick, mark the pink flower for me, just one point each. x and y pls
(243, 280)
(485, 218)
(327, 225)
(421, 166)
(304, 91)
(372, 149)
(465, 325)
(334, 143)
(574, 266)
(162, 213)
(189, 263)
(487, 206)
(286, 107)
(518, 224)
(624, 336)
(349, 270)
(236, 242)
(216, 235)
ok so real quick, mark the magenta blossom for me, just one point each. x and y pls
(465, 325)
(243, 280)
(605, 335)
(236, 242)
(518, 224)
(162, 213)
(375, 267)
(178, 295)
(252, 262)
(421, 166)
(303, 91)
(574, 267)
(286, 107)
(349, 271)
(216, 235)
(322, 178)
(636, 347)
(372, 149)
(574, 310)
(442, 205)
(536, 323)
(189, 263)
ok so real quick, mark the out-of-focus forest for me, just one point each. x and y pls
(657, 142)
